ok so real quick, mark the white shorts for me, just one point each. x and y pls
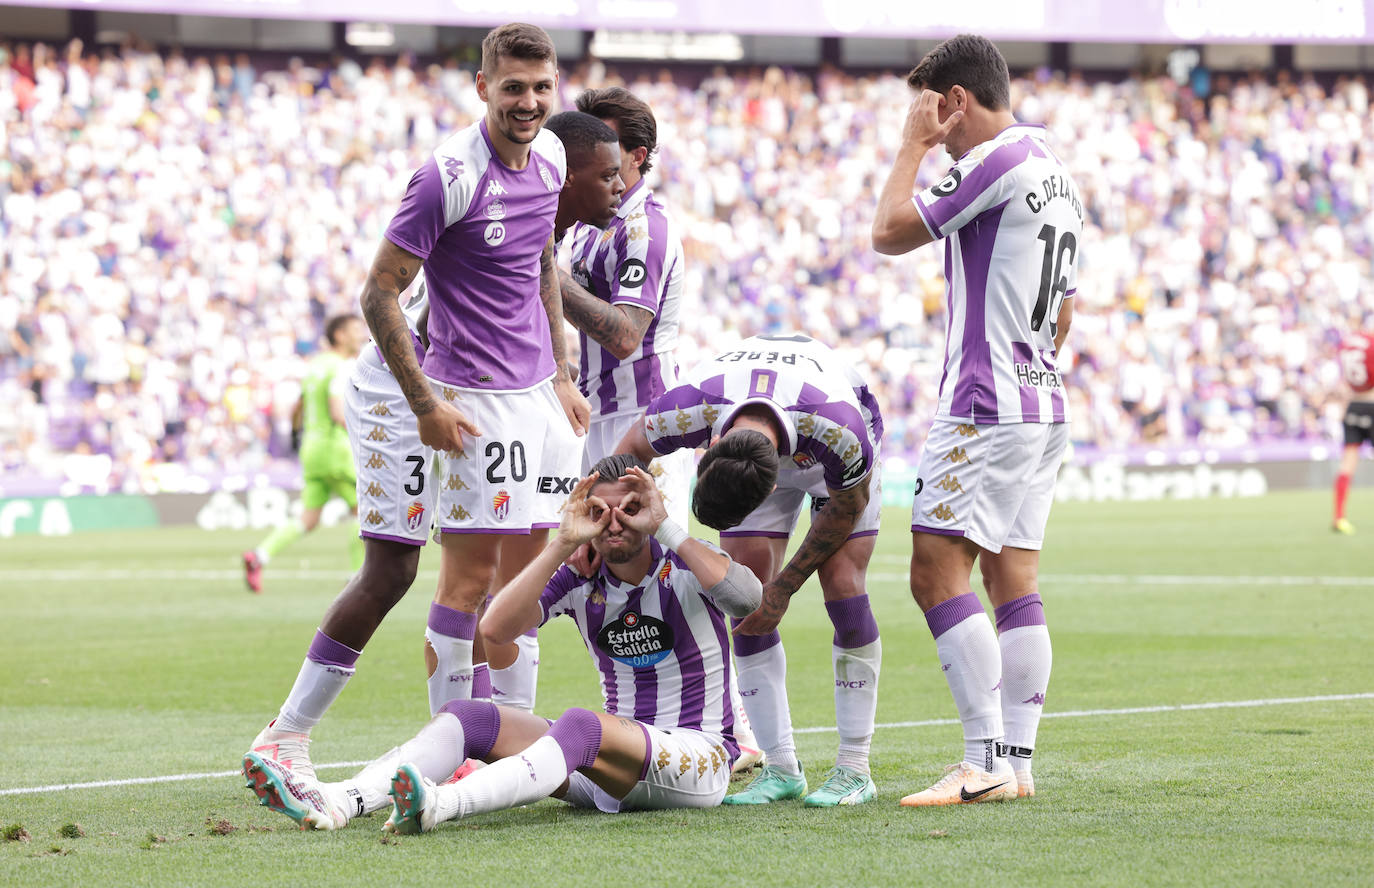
(686, 769)
(673, 472)
(517, 475)
(396, 480)
(778, 515)
(991, 484)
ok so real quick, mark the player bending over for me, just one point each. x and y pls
(653, 621)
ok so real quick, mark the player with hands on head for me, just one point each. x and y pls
(653, 621)
(1012, 222)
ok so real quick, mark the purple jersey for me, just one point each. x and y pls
(636, 261)
(827, 413)
(480, 227)
(659, 647)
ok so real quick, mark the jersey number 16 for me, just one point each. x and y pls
(1054, 277)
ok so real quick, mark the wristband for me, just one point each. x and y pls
(670, 534)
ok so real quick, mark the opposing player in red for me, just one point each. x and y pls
(1357, 368)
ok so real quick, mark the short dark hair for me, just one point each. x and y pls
(516, 40)
(638, 128)
(580, 134)
(334, 325)
(734, 477)
(610, 468)
(970, 61)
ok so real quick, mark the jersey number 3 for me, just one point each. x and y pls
(1054, 277)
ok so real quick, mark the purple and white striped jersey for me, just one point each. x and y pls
(636, 261)
(660, 647)
(825, 408)
(1012, 221)
(481, 227)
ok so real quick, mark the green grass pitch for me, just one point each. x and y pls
(139, 654)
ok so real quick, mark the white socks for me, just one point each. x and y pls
(972, 663)
(518, 780)
(517, 683)
(1026, 661)
(317, 686)
(856, 700)
(763, 685)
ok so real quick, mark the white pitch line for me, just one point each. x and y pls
(216, 575)
(1078, 713)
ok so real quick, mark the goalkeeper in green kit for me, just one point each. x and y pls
(326, 456)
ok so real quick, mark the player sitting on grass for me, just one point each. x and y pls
(653, 620)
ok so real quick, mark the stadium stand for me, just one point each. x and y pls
(174, 230)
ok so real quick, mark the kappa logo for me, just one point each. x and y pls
(456, 483)
(500, 504)
(495, 234)
(495, 189)
(955, 455)
(377, 434)
(1037, 698)
(684, 763)
(701, 765)
(684, 422)
(458, 513)
(374, 518)
(456, 454)
(950, 483)
(375, 489)
(941, 512)
(454, 167)
(949, 184)
(710, 413)
(376, 462)
(662, 760)
(380, 409)
(450, 394)
(496, 209)
(595, 597)
(964, 430)
(415, 514)
(632, 273)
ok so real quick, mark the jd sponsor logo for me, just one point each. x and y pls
(637, 641)
(632, 273)
(495, 234)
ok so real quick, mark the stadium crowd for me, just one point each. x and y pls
(174, 230)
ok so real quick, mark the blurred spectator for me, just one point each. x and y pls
(174, 231)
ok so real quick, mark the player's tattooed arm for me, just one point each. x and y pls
(553, 306)
(393, 269)
(617, 328)
(830, 527)
(575, 406)
(441, 425)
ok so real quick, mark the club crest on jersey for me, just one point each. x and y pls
(545, 175)
(636, 640)
(496, 209)
(415, 514)
(803, 460)
(500, 505)
(665, 572)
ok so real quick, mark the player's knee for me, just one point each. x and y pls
(578, 733)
